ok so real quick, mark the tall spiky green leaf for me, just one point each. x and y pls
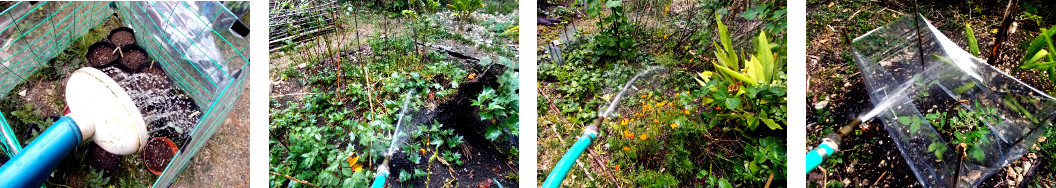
(724, 37)
(735, 75)
(973, 45)
(765, 56)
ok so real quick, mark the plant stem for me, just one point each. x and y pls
(293, 179)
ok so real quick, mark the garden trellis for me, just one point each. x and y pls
(297, 20)
(202, 46)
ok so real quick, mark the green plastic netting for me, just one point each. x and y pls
(201, 45)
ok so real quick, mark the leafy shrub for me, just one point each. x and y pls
(463, 9)
(500, 106)
(756, 94)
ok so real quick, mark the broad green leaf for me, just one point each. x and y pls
(733, 103)
(770, 123)
(492, 133)
(723, 183)
(702, 174)
(973, 45)
(766, 57)
(735, 75)
(977, 153)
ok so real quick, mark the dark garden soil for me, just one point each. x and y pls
(836, 93)
(154, 68)
(484, 161)
(133, 55)
(122, 36)
(103, 160)
(157, 154)
(101, 53)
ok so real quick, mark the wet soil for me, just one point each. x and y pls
(154, 69)
(484, 161)
(157, 155)
(102, 160)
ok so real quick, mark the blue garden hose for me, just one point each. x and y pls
(561, 169)
(379, 180)
(37, 160)
(829, 145)
(383, 172)
(820, 153)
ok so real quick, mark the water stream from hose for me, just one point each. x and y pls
(619, 96)
(397, 137)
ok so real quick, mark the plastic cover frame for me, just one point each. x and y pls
(891, 53)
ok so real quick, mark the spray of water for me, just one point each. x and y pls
(890, 100)
(619, 96)
(396, 134)
(907, 88)
(161, 105)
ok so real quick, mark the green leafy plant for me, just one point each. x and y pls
(464, 8)
(1036, 54)
(973, 45)
(758, 69)
(499, 106)
(752, 95)
(914, 123)
(969, 129)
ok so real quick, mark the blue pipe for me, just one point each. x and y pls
(819, 154)
(37, 160)
(379, 180)
(561, 169)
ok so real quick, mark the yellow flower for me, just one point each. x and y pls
(674, 125)
(623, 122)
(352, 163)
(686, 112)
(656, 121)
(661, 104)
(643, 136)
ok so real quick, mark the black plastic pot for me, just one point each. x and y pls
(128, 55)
(106, 54)
(119, 42)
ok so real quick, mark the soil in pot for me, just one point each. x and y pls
(157, 77)
(102, 160)
(132, 55)
(101, 53)
(158, 153)
(122, 36)
(116, 71)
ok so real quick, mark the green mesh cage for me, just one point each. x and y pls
(201, 45)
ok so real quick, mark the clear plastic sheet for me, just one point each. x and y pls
(202, 46)
(909, 65)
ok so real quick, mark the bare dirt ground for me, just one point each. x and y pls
(224, 160)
